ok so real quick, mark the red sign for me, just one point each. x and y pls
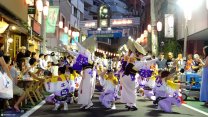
(36, 27)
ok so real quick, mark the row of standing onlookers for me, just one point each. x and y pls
(192, 64)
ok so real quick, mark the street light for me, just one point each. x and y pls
(207, 4)
(187, 6)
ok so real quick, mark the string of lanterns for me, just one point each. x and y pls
(106, 52)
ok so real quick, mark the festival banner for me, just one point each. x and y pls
(52, 19)
(169, 25)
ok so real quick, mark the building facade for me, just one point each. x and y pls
(197, 28)
(71, 12)
(22, 27)
(91, 9)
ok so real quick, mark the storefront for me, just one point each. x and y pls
(14, 17)
(34, 40)
(13, 37)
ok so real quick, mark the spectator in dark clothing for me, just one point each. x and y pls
(170, 62)
(20, 55)
(33, 55)
(161, 63)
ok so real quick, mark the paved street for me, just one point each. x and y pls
(145, 109)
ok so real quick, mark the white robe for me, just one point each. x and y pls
(128, 92)
(88, 87)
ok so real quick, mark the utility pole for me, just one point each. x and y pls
(43, 30)
(154, 38)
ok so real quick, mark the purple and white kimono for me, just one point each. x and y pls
(87, 86)
(166, 104)
(110, 93)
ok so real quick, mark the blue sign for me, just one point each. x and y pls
(64, 39)
(76, 39)
(106, 33)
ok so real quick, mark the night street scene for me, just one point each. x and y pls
(103, 58)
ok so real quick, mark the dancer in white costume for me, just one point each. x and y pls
(87, 87)
(128, 92)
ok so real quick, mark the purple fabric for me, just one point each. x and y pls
(160, 93)
(142, 82)
(106, 98)
(50, 99)
(158, 81)
(146, 73)
(77, 67)
(91, 73)
(81, 60)
(117, 75)
(132, 77)
(166, 104)
(148, 93)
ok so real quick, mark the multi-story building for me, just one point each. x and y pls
(91, 9)
(118, 8)
(139, 8)
(119, 14)
(15, 14)
(71, 12)
(197, 28)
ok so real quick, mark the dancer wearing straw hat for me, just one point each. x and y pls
(131, 67)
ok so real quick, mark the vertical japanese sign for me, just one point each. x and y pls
(52, 19)
(169, 25)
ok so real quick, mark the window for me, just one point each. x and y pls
(75, 12)
(63, 19)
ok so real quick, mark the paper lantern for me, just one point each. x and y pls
(66, 29)
(39, 5)
(47, 3)
(61, 24)
(45, 10)
(159, 26)
(149, 28)
(145, 33)
(10, 40)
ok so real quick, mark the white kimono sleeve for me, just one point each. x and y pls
(102, 81)
(144, 64)
(73, 53)
(81, 48)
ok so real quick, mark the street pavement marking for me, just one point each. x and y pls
(190, 107)
(32, 110)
